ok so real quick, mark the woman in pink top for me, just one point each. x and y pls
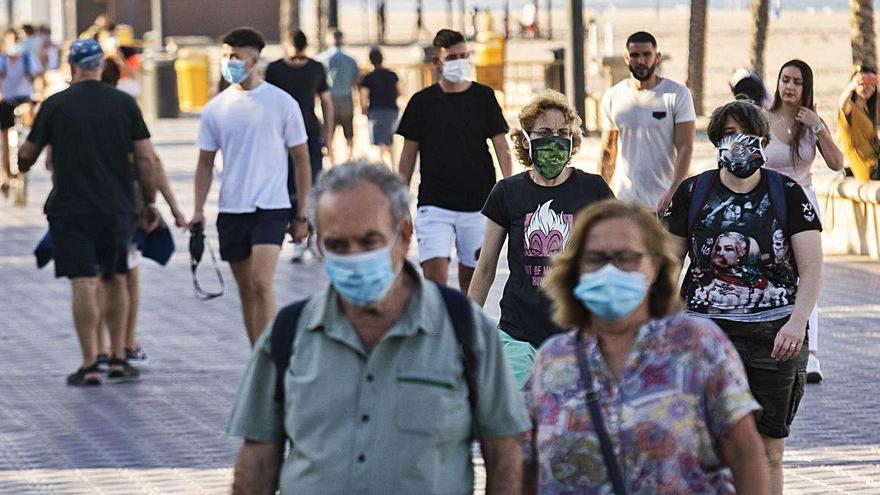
(796, 132)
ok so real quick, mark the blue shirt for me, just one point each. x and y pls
(342, 71)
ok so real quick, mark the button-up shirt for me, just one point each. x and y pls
(394, 419)
(681, 390)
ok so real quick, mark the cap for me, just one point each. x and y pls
(85, 53)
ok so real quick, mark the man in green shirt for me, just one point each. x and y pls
(376, 398)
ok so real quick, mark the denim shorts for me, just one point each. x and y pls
(383, 123)
(778, 386)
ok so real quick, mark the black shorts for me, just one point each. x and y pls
(240, 231)
(778, 386)
(7, 111)
(91, 245)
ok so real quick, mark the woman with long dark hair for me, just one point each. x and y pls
(796, 132)
(857, 122)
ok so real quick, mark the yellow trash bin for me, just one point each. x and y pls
(489, 59)
(193, 79)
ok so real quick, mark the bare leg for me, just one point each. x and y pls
(775, 448)
(6, 172)
(86, 315)
(134, 302)
(437, 270)
(255, 287)
(465, 274)
(116, 312)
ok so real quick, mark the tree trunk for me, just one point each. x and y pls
(862, 32)
(697, 52)
(288, 19)
(761, 19)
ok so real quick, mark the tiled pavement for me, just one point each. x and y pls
(164, 434)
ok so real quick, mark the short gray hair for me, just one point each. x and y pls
(349, 175)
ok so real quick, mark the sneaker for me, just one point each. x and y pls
(81, 378)
(814, 371)
(121, 371)
(137, 355)
(101, 362)
(299, 249)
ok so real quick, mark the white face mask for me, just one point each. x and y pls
(456, 71)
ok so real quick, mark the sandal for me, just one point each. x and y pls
(121, 371)
(85, 377)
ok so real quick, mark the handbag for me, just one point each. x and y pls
(611, 464)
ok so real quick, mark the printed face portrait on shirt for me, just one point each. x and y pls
(729, 249)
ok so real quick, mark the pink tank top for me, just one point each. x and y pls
(779, 159)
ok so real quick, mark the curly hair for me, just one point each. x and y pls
(559, 283)
(547, 100)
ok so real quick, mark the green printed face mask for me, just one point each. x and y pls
(549, 154)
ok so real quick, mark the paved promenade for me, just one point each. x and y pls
(165, 433)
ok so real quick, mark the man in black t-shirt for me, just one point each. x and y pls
(446, 125)
(94, 129)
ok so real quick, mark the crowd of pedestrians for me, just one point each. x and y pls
(605, 373)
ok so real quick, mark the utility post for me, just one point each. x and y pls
(575, 80)
(333, 15)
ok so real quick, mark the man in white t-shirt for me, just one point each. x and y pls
(650, 120)
(255, 125)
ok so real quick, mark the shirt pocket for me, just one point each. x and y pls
(430, 402)
(658, 117)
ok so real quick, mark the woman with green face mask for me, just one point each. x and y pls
(533, 212)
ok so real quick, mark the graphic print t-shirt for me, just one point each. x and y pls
(742, 266)
(538, 220)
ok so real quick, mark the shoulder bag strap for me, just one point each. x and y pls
(611, 464)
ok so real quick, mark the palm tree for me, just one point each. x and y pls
(862, 32)
(697, 52)
(288, 19)
(761, 18)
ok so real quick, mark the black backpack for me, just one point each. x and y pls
(457, 306)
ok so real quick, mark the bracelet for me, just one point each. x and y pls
(819, 127)
(151, 205)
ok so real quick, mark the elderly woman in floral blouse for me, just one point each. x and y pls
(672, 394)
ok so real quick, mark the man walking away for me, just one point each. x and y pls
(256, 126)
(93, 130)
(379, 91)
(446, 126)
(342, 74)
(650, 120)
(376, 396)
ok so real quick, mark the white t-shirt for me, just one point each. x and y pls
(646, 143)
(253, 130)
(18, 82)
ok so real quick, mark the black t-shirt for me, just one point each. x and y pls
(303, 84)
(538, 220)
(91, 127)
(452, 129)
(742, 266)
(382, 84)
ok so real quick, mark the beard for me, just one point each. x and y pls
(646, 74)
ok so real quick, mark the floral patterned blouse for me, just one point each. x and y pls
(681, 390)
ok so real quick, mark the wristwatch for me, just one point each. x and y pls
(817, 128)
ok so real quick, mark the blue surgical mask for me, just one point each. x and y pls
(233, 71)
(611, 293)
(362, 279)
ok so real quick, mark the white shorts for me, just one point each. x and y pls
(437, 227)
(134, 256)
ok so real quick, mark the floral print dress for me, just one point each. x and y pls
(680, 392)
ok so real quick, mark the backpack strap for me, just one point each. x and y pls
(776, 186)
(462, 315)
(283, 334)
(702, 188)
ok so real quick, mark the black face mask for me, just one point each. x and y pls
(197, 243)
(742, 155)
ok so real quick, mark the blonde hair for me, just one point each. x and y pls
(547, 100)
(560, 282)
